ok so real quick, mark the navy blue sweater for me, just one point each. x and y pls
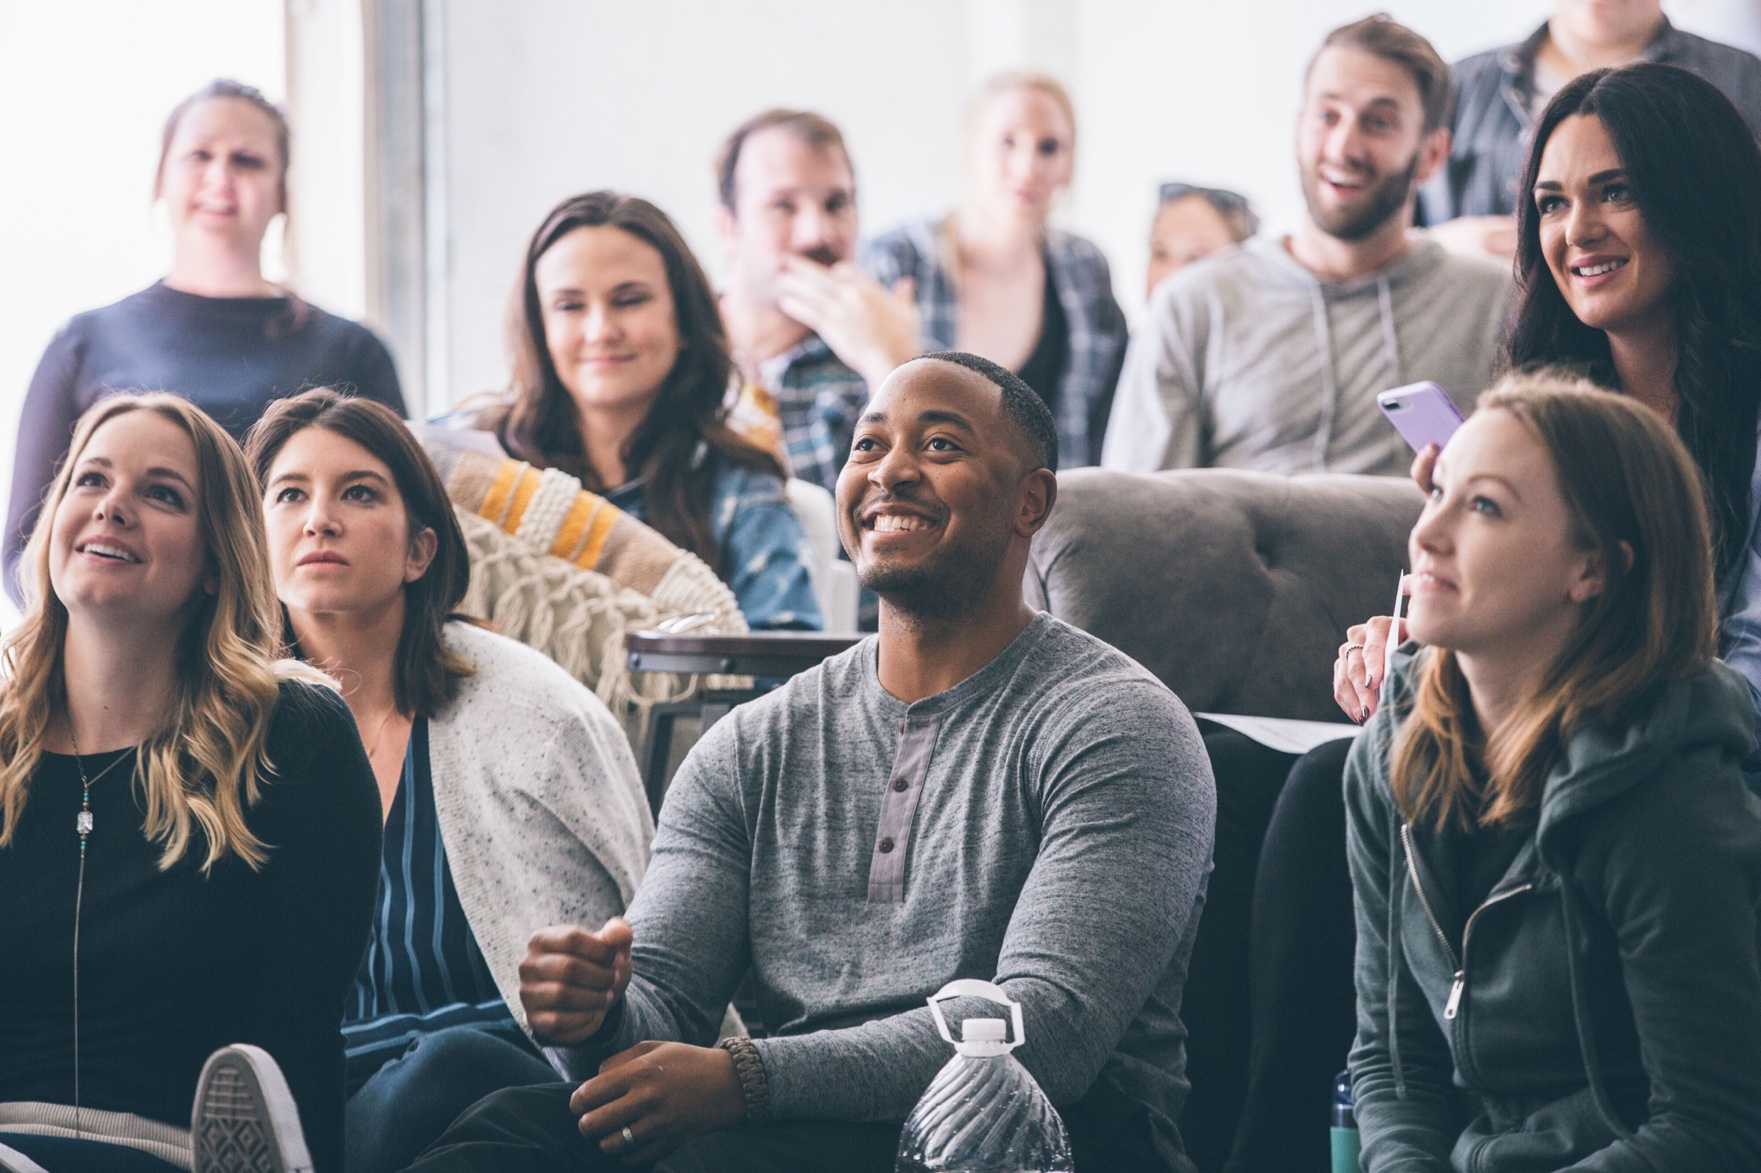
(230, 356)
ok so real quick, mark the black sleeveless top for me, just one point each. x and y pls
(1045, 367)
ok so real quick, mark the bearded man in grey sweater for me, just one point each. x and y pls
(978, 791)
(1270, 355)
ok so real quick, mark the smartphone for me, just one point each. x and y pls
(1423, 413)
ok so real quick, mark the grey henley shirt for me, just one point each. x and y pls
(1045, 824)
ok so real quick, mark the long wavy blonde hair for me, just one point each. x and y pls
(1628, 484)
(208, 765)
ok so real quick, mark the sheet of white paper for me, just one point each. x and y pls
(1283, 734)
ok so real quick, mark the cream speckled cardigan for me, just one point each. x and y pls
(540, 804)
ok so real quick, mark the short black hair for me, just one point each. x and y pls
(1022, 405)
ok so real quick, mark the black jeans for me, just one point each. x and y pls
(1301, 958)
(1215, 1006)
(532, 1130)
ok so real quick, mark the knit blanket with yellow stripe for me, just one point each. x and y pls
(563, 570)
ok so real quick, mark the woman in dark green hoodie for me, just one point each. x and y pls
(1557, 864)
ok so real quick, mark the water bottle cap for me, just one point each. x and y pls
(971, 1045)
(984, 1030)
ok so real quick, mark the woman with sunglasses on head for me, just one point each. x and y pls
(993, 278)
(621, 369)
(1556, 863)
(509, 795)
(1639, 256)
(188, 828)
(214, 329)
(1193, 222)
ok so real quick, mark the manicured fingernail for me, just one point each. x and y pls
(1363, 715)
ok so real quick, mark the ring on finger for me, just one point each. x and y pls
(629, 1137)
(1350, 648)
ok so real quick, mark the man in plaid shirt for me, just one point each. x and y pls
(809, 329)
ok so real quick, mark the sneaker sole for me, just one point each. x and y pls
(13, 1161)
(245, 1119)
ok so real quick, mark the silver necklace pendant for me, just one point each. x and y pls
(84, 823)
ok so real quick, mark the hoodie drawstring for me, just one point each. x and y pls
(1390, 340)
(1329, 377)
(1329, 385)
(1396, 954)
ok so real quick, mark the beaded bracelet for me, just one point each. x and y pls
(750, 1070)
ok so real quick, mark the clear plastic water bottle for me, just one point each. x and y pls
(983, 1113)
(1343, 1134)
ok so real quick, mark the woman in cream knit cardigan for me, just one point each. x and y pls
(510, 796)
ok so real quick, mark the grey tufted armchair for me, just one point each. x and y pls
(1235, 588)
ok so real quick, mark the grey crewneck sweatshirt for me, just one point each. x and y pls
(1248, 360)
(1045, 824)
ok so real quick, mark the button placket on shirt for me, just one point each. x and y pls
(886, 868)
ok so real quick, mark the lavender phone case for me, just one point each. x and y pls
(1423, 413)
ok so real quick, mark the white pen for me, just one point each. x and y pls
(1393, 637)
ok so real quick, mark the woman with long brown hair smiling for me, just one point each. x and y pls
(621, 368)
(188, 830)
(1557, 864)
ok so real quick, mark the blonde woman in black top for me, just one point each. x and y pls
(189, 830)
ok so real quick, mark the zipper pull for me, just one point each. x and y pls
(1455, 994)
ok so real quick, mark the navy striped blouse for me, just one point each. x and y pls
(423, 971)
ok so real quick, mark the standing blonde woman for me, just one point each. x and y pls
(189, 830)
(993, 278)
(1556, 862)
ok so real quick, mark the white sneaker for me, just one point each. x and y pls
(245, 1119)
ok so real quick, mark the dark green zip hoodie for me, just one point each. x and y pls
(1601, 1010)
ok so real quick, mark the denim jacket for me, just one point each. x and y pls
(761, 546)
(1493, 126)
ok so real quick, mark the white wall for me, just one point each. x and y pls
(544, 98)
(85, 87)
(327, 244)
(551, 97)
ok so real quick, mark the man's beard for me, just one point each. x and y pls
(942, 587)
(1386, 200)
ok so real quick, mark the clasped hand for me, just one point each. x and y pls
(571, 977)
(661, 1093)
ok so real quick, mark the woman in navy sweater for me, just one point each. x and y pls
(213, 330)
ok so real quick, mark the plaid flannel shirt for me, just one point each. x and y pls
(818, 399)
(1078, 272)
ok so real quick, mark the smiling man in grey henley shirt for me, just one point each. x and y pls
(1269, 356)
(979, 791)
